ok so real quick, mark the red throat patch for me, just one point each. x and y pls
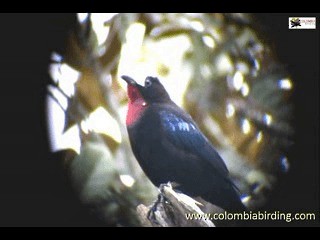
(136, 105)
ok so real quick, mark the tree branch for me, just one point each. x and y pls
(171, 211)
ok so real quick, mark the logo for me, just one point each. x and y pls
(295, 22)
(302, 23)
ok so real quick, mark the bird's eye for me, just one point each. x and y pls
(147, 83)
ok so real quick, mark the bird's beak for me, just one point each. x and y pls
(129, 80)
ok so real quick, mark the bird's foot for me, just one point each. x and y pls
(152, 212)
(161, 199)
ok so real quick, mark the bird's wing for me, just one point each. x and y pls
(185, 135)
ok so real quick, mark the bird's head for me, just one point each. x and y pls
(152, 91)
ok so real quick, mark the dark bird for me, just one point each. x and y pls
(170, 147)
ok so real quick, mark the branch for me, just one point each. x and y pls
(171, 211)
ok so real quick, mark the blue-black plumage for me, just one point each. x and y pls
(170, 147)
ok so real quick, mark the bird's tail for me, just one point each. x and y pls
(227, 199)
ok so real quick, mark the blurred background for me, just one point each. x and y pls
(249, 82)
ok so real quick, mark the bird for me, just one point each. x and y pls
(170, 147)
